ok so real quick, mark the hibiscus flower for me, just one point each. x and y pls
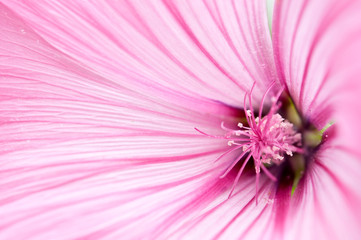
(180, 119)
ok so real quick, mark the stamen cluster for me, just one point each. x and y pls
(267, 139)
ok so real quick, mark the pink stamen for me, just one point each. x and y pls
(257, 182)
(226, 153)
(234, 132)
(268, 173)
(235, 162)
(263, 99)
(250, 104)
(239, 174)
(273, 109)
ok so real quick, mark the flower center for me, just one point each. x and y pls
(268, 139)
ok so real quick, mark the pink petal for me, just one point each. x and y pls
(85, 155)
(317, 51)
(214, 49)
(327, 203)
(317, 48)
(72, 143)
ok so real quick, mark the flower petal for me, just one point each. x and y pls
(84, 156)
(317, 47)
(214, 49)
(326, 205)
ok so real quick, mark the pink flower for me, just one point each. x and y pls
(100, 102)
